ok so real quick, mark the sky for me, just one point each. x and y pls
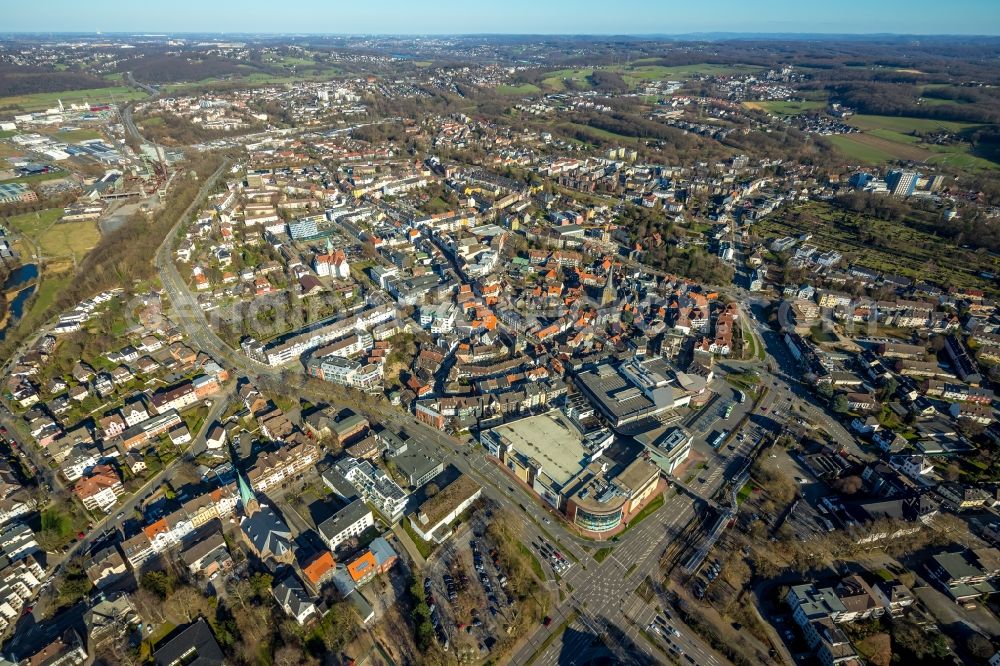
(622, 17)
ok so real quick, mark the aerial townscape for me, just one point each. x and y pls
(423, 333)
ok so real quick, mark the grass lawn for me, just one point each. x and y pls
(40, 101)
(820, 334)
(424, 548)
(523, 89)
(536, 566)
(602, 554)
(744, 493)
(31, 224)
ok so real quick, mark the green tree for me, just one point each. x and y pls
(840, 404)
(158, 582)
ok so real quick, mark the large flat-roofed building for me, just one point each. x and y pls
(601, 498)
(546, 451)
(637, 389)
(432, 519)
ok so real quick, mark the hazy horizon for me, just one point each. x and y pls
(515, 17)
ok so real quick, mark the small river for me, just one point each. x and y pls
(21, 276)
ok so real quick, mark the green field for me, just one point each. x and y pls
(855, 149)
(38, 178)
(73, 136)
(41, 101)
(959, 157)
(556, 80)
(892, 135)
(937, 101)
(906, 124)
(598, 133)
(888, 138)
(786, 107)
(523, 89)
(56, 240)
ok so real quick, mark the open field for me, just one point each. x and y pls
(523, 89)
(681, 72)
(73, 136)
(786, 107)
(41, 101)
(872, 149)
(598, 133)
(905, 124)
(889, 138)
(637, 73)
(39, 177)
(71, 240)
(906, 248)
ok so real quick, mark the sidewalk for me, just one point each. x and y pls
(408, 544)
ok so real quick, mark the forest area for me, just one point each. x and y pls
(18, 80)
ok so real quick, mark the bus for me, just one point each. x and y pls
(740, 396)
(719, 439)
(729, 410)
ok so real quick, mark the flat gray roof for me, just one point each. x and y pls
(551, 441)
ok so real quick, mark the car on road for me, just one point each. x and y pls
(546, 621)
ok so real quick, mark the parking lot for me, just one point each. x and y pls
(466, 591)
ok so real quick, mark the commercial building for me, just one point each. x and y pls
(546, 451)
(432, 520)
(638, 389)
(601, 498)
(568, 469)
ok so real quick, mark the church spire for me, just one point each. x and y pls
(610, 293)
(247, 495)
